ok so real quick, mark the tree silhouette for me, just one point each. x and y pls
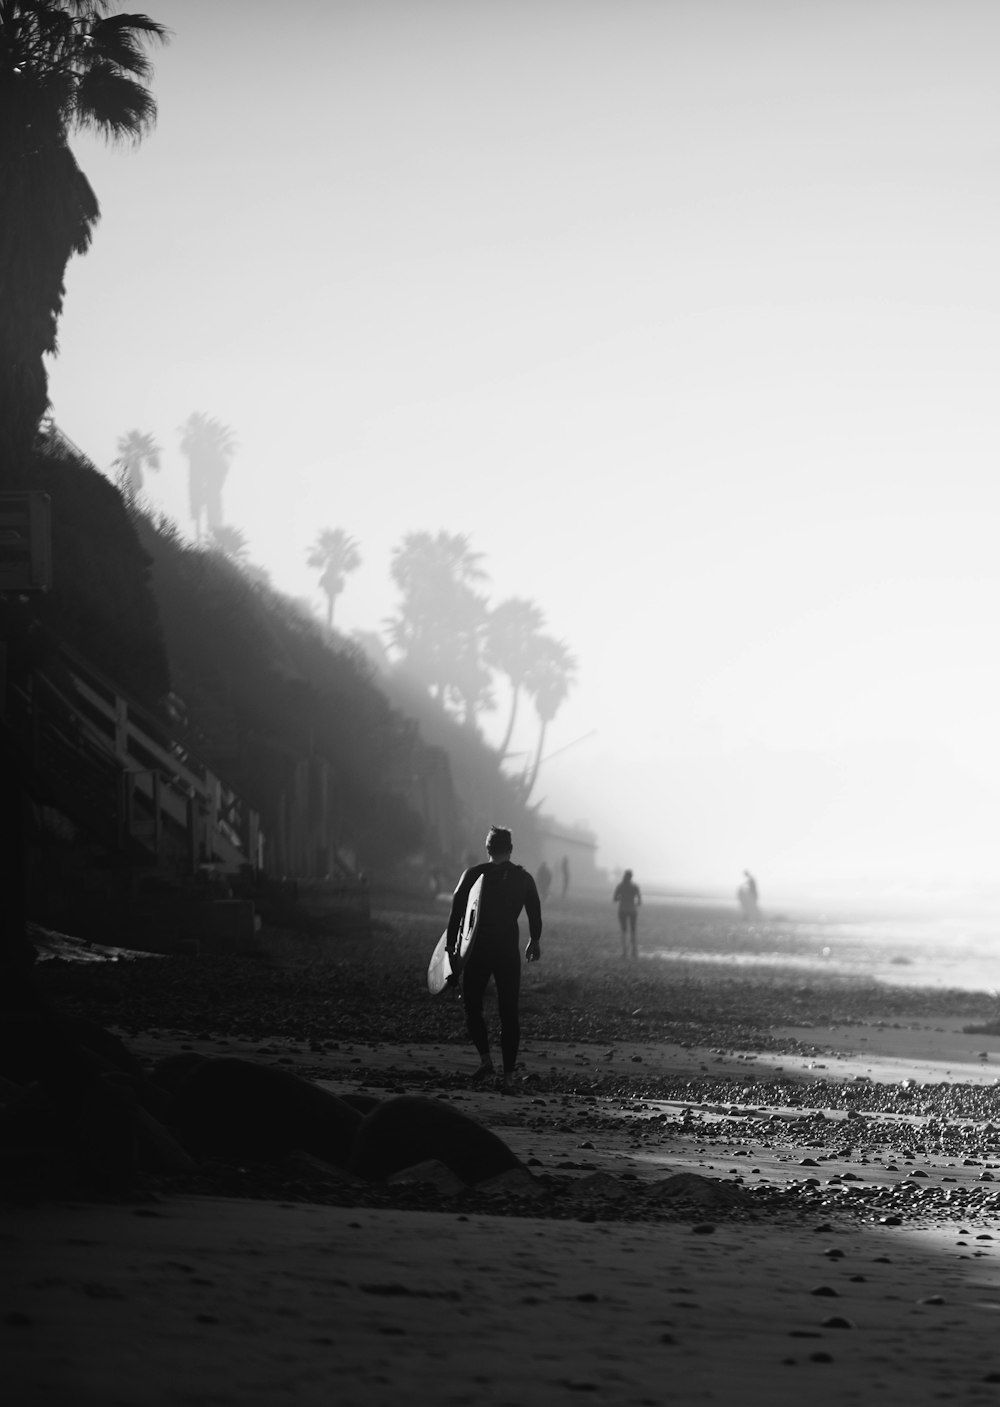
(440, 627)
(134, 451)
(63, 67)
(335, 553)
(512, 632)
(208, 446)
(549, 680)
(231, 542)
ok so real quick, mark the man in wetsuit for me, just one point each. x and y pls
(507, 889)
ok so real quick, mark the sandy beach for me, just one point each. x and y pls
(748, 1180)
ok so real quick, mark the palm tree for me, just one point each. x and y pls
(512, 632)
(208, 446)
(65, 65)
(549, 681)
(134, 450)
(440, 626)
(335, 553)
(231, 542)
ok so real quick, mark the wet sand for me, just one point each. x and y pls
(875, 1279)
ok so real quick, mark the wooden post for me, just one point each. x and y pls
(157, 815)
(13, 860)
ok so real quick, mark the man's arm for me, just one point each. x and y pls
(533, 909)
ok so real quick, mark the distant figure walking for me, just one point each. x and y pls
(747, 896)
(629, 901)
(564, 867)
(543, 879)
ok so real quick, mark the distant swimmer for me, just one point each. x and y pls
(629, 901)
(747, 896)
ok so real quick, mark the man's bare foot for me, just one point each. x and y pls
(485, 1072)
(509, 1085)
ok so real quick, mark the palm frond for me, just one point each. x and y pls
(119, 40)
(111, 104)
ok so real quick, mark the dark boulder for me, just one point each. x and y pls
(60, 1050)
(364, 1103)
(170, 1073)
(413, 1129)
(232, 1108)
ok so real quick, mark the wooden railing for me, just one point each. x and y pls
(116, 769)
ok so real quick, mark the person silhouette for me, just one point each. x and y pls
(507, 889)
(629, 900)
(747, 896)
(543, 878)
(564, 868)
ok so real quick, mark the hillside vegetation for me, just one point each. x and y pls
(275, 703)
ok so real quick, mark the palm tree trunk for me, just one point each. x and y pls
(510, 721)
(329, 610)
(537, 762)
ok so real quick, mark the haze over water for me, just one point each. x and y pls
(951, 944)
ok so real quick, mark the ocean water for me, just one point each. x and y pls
(944, 948)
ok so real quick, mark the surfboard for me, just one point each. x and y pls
(470, 924)
(441, 966)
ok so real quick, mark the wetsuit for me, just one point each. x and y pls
(507, 889)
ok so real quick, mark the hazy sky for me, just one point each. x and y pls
(685, 311)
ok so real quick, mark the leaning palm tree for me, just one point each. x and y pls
(134, 451)
(334, 554)
(549, 681)
(512, 632)
(64, 67)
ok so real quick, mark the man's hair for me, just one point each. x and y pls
(499, 841)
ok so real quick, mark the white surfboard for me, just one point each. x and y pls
(441, 965)
(439, 969)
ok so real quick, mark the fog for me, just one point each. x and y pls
(684, 313)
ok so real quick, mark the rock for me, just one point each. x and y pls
(170, 1073)
(105, 1136)
(234, 1108)
(516, 1182)
(9, 1091)
(430, 1173)
(364, 1103)
(601, 1185)
(60, 1050)
(697, 1190)
(108, 1047)
(157, 1148)
(412, 1128)
(299, 1161)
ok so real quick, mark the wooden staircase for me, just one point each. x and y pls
(115, 770)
